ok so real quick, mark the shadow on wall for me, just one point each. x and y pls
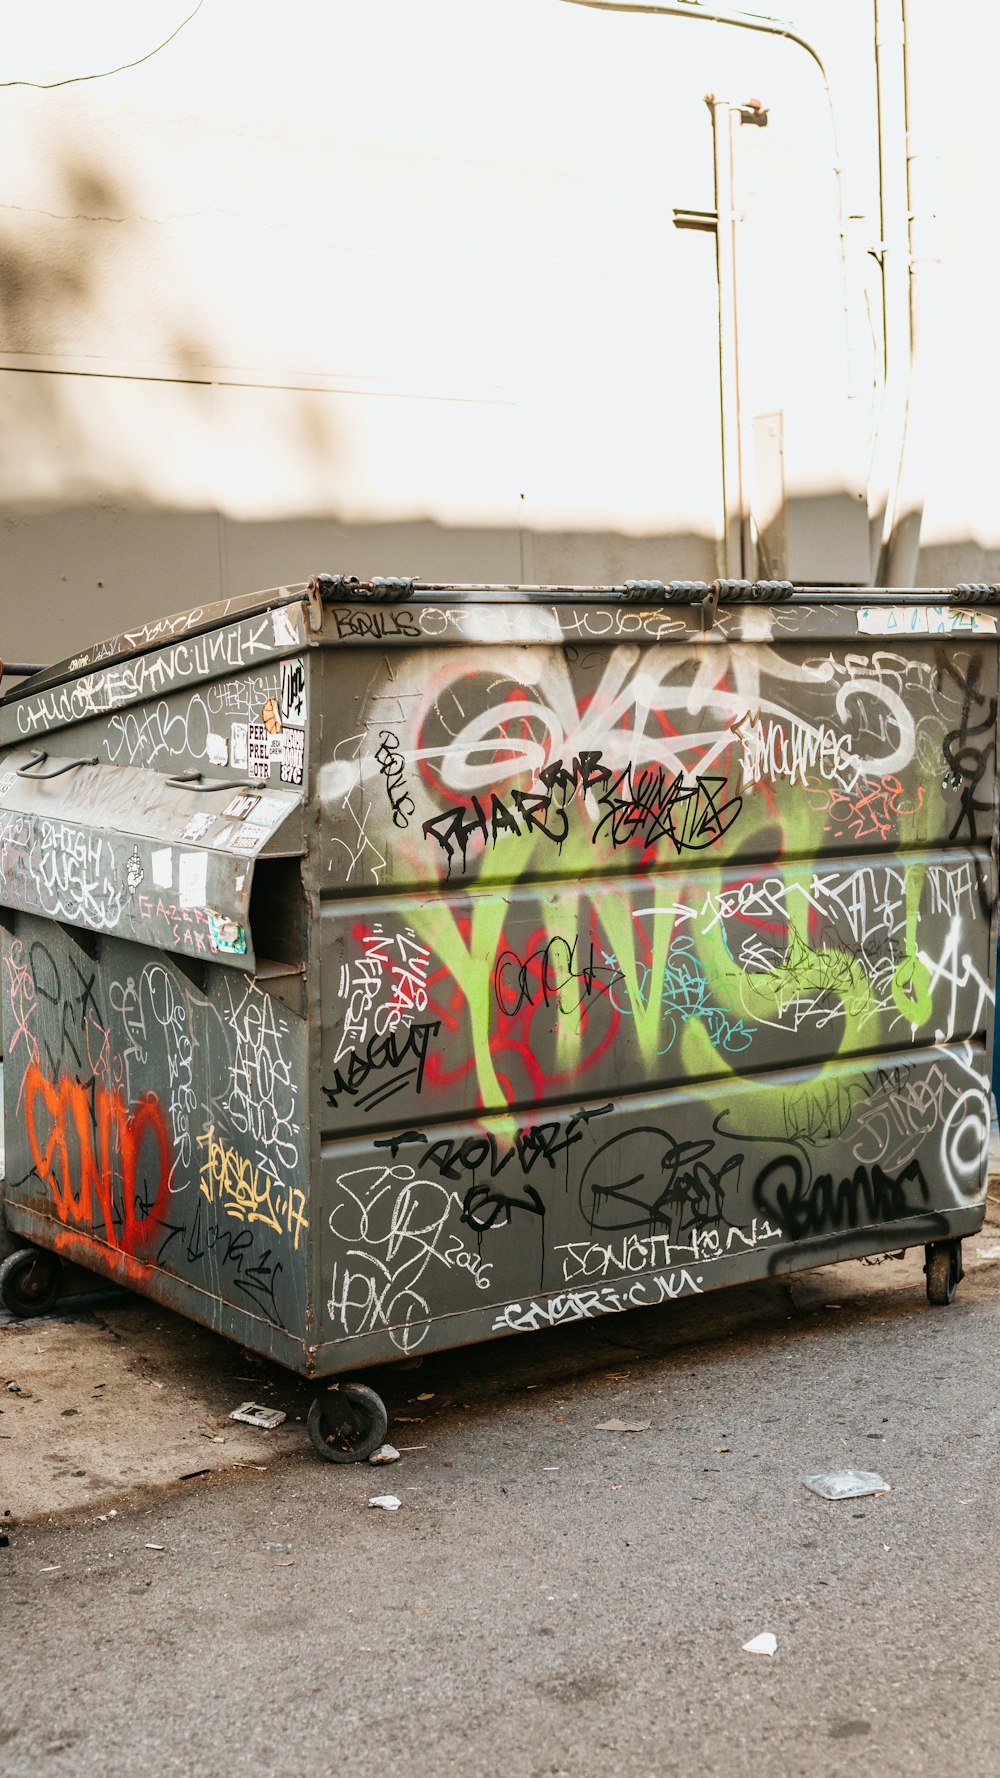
(72, 575)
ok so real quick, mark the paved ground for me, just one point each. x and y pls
(551, 1598)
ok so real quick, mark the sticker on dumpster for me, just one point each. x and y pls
(217, 748)
(226, 935)
(248, 837)
(238, 746)
(161, 864)
(285, 624)
(258, 750)
(293, 755)
(192, 876)
(924, 620)
(293, 693)
(241, 806)
(271, 809)
(198, 825)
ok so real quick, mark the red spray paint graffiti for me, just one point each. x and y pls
(132, 1148)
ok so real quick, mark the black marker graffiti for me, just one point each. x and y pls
(381, 1055)
(390, 763)
(804, 1206)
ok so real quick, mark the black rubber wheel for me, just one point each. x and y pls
(943, 1267)
(30, 1281)
(348, 1423)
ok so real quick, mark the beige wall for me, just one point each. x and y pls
(397, 288)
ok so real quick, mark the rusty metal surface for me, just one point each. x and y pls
(596, 950)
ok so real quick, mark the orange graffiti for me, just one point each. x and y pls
(61, 1126)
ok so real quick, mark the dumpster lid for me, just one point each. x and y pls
(125, 851)
(157, 633)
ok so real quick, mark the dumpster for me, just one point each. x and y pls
(390, 966)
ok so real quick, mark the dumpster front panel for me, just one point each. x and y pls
(157, 1129)
(645, 966)
(506, 1225)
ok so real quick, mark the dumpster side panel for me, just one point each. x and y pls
(156, 1129)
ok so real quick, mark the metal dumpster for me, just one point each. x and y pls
(390, 966)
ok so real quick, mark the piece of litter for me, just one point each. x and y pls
(404, 1448)
(390, 1503)
(764, 1644)
(153, 1546)
(724, 1450)
(407, 1419)
(887, 1547)
(551, 1466)
(190, 1474)
(846, 1484)
(623, 1425)
(112, 1512)
(53, 1568)
(385, 1454)
(252, 1414)
(425, 1397)
(283, 1562)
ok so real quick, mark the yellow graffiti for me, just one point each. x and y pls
(241, 1191)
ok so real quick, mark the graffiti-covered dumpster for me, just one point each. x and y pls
(389, 966)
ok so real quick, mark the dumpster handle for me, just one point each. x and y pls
(194, 781)
(39, 757)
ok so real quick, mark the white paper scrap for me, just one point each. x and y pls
(764, 1644)
(390, 1503)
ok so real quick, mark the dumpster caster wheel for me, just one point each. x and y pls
(943, 1266)
(348, 1424)
(30, 1281)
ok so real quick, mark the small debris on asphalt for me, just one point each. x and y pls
(284, 1548)
(190, 1474)
(385, 1454)
(154, 1546)
(407, 1419)
(15, 1388)
(390, 1503)
(764, 1644)
(53, 1568)
(252, 1414)
(846, 1484)
(623, 1425)
(424, 1397)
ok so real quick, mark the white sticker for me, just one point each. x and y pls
(258, 750)
(285, 624)
(238, 746)
(248, 837)
(217, 748)
(293, 693)
(271, 809)
(924, 620)
(192, 876)
(197, 826)
(161, 863)
(6, 781)
(243, 805)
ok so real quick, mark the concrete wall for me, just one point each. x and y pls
(400, 288)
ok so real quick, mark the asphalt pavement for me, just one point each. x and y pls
(551, 1600)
